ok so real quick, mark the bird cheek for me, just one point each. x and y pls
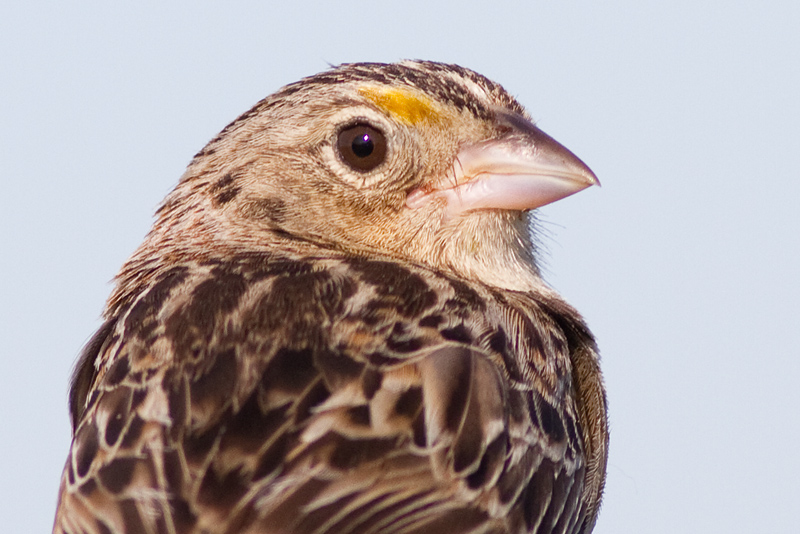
(264, 209)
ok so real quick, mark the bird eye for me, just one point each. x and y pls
(362, 147)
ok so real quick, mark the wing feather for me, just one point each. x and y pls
(319, 399)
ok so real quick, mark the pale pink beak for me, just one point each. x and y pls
(522, 170)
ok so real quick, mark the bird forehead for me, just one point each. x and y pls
(404, 105)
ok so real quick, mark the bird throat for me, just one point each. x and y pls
(488, 248)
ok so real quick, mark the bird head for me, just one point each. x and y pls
(422, 161)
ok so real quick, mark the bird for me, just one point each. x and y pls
(338, 324)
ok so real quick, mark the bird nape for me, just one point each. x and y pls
(337, 325)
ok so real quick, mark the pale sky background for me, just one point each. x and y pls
(686, 263)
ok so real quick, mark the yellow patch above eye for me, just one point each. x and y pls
(404, 105)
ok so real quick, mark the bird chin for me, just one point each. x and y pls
(488, 245)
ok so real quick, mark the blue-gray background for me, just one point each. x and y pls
(685, 263)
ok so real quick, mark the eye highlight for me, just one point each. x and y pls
(362, 147)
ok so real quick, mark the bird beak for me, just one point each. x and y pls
(522, 170)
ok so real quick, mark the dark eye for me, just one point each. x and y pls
(362, 147)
